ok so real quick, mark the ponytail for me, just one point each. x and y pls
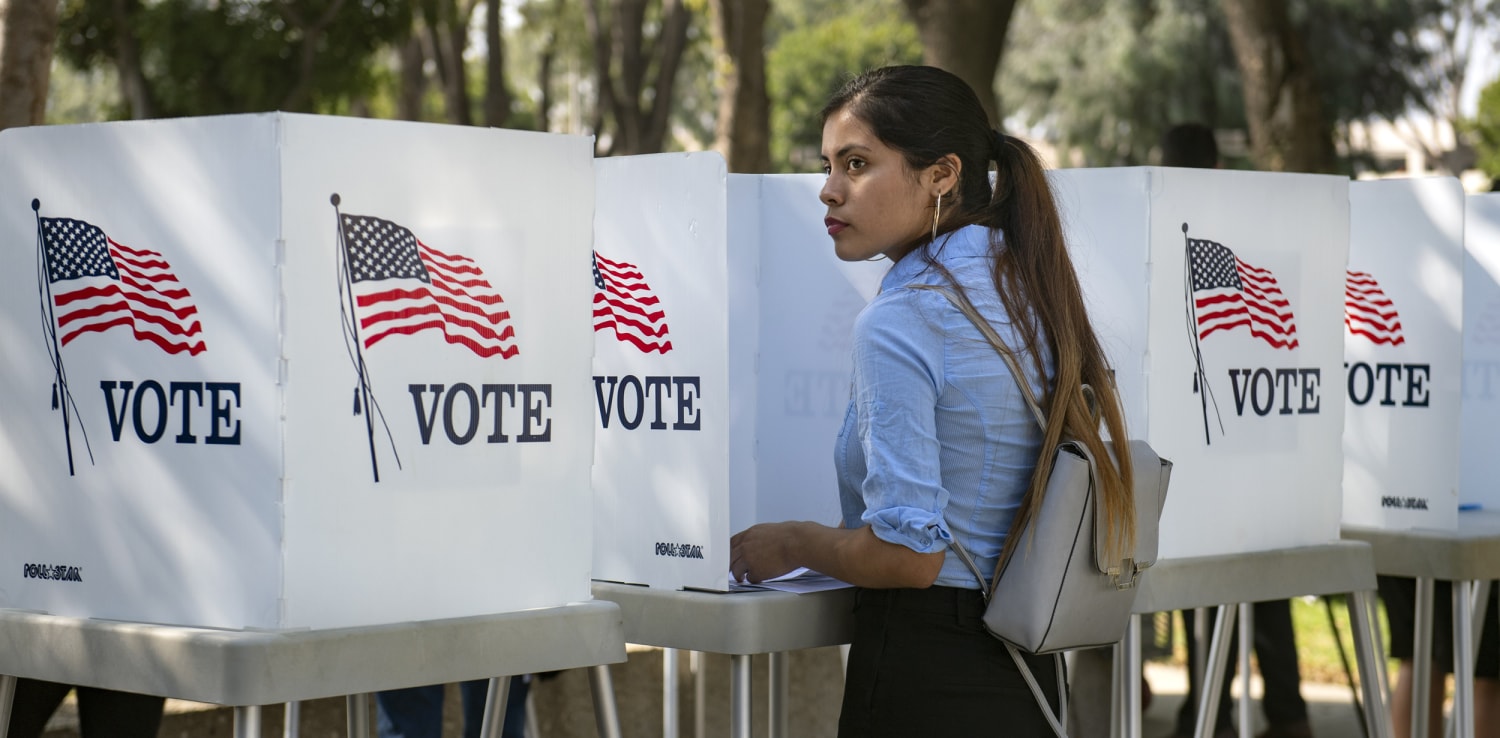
(1038, 285)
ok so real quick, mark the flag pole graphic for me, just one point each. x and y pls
(346, 281)
(61, 397)
(1200, 377)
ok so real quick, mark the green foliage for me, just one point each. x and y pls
(1108, 78)
(202, 58)
(1486, 130)
(811, 57)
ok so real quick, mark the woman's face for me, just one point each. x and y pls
(875, 203)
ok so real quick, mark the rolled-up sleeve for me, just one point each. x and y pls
(898, 376)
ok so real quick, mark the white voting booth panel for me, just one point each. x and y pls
(661, 371)
(806, 300)
(309, 372)
(1479, 462)
(1219, 299)
(757, 310)
(1403, 353)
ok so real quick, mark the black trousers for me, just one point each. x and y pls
(101, 712)
(1275, 650)
(921, 664)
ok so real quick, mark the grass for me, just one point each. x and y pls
(1317, 648)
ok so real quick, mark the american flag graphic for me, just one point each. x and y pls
(1368, 312)
(1227, 293)
(624, 302)
(98, 284)
(402, 286)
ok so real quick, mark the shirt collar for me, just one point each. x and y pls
(968, 242)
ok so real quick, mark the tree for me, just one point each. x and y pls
(624, 54)
(965, 37)
(815, 51)
(186, 57)
(743, 135)
(1486, 130)
(1104, 80)
(1283, 104)
(27, 31)
(496, 93)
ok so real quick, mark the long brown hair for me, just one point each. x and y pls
(926, 114)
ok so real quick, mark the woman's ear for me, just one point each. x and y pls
(943, 175)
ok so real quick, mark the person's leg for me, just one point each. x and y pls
(33, 705)
(1276, 653)
(105, 713)
(410, 713)
(1401, 703)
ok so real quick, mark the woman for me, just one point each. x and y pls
(938, 445)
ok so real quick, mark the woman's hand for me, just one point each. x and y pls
(763, 551)
(855, 556)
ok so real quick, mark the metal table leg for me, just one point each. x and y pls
(1218, 656)
(606, 713)
(739, 696)
(1421, 657)
(494, 707)
(1130, 683)
(291, 721)
(1463, 658)
(778, 694)
(7, 696)
(700, 695)
(359, 716)
(669, 693)
(247, 722)
(1371, 660)
(1247, 624)
(1119, 720)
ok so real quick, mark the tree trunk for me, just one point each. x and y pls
(133, 87)
(413, 79)
(965, 37)
(744, 124)
(496, 94)
(300, 98)
(28, 30)
(1288, 129)
(447, 28)
(620, 82)
(544, 83)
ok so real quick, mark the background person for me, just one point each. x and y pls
(938, 443)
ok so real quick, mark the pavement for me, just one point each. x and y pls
(562, 705)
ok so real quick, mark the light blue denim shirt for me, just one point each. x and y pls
(937, 442)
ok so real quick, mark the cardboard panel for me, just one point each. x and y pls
(1244, 400)
(661, 383)
(1480, 434)
(808, 302)
(1403, 353)
(233, 475)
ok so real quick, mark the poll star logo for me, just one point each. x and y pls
(1368, 312)
(393, 284)
(1222, 293)
(91, 283)
(625, 304)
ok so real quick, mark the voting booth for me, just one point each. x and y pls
(1479, 463)
(1403, 353)
(721, 370)
(284, 371)
(1219, 299)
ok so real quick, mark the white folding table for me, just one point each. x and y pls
(739, 624)
(1468, 557)
(248, 668)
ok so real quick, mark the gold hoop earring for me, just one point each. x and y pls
(937, 213)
